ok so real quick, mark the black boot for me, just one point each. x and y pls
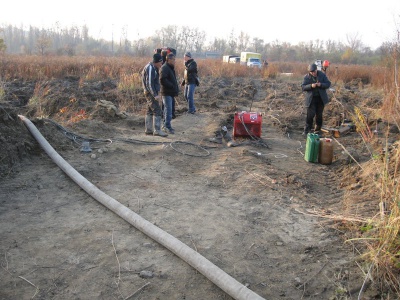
(317, 129)
(306, 130)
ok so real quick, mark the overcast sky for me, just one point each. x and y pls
(373, 22)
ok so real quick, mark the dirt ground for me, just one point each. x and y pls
(258, 211)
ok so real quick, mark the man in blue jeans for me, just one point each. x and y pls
(169, 90)
(190, 81)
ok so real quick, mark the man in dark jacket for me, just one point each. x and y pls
(315, 84)
(164, 53)
(151, 88)
(169, 90)
(190, 81)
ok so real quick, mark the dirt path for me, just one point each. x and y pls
(250, 210)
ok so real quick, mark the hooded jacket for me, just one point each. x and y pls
(190, 74)
(318, 91)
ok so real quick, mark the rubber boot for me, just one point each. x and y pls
(157, 127)
(148, 122)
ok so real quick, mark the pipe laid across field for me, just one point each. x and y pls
(224, 281)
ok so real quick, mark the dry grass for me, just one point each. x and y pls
(379, 237)
(98, 68)
(89, 68)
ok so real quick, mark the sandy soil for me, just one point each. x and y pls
(258, 211)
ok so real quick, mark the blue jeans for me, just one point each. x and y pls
(189, 96)
(168, 102)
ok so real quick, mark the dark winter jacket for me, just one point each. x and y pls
(190, 75)
(169, 85)
(150, 80)
(318, 91)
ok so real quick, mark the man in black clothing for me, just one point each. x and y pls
(315, 84)
(169, 90)
(190, 81)
(164, 52)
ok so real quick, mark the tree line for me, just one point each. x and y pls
(76, 40)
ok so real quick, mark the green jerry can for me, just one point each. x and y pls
(312, 148)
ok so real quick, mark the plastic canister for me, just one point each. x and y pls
(325, 156)
(312, 148)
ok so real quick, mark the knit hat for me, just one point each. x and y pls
(188, 54)
(157, 58)
(312, 67)
(170, 56)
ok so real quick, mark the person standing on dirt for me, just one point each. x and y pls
(190, 81)
(325, 66)
(315, 84)
(169, 90)
(164, 53)
(151, 87)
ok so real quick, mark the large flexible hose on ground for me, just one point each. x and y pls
(224, 281)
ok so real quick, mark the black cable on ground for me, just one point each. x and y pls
(135, 141)
(174, 145)
(75, 137)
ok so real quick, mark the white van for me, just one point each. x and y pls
(234, 60)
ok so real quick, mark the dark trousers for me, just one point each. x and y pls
(315, 109)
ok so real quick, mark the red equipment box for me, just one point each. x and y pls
(247, 124)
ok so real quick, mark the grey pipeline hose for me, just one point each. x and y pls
(224, 281)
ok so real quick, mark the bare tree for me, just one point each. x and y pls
(186, 37)
(168, 36)
(43, 42)
(126, 45)
(354, 42)
(218, 45)
(232, 42)
(141, 47)
(243, 41)
(258, 44)
(199, 40)
(3, 46)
